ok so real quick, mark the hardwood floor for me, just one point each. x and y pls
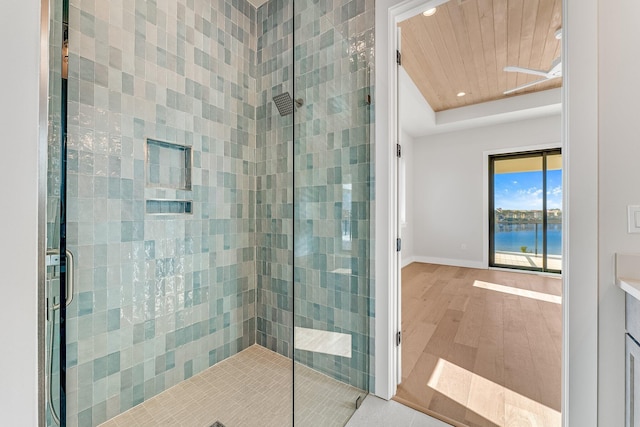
(481, 347)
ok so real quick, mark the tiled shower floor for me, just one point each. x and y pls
(252, 388)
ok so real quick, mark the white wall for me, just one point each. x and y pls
(408, 228)
(19, 24)
(449, 182)
(619, 179)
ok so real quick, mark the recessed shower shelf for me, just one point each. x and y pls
(168, 165)
(168, 170)
(169, 207)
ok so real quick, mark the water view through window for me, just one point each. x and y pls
(526, 211)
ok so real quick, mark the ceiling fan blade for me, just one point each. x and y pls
(524, 86)
(514, 69)
(556, 68)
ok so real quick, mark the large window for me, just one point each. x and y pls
(525, 217)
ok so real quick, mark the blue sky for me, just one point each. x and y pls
(523, 190)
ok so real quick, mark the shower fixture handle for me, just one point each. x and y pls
(53, 258)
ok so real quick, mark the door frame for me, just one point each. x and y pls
(580, 183)
(43, 147)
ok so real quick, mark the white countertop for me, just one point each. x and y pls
(630, 286)
(628, 274)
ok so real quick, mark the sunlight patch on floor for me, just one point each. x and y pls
(517, 410)
(316, 340)
(541, 296)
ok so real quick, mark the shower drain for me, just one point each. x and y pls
(217, 424)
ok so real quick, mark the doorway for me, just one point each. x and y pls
(458, 366)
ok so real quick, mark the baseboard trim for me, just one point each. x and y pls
(408, 260)
(445, 261)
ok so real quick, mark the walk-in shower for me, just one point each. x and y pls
(209, 231)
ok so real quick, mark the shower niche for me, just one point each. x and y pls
(168, 169)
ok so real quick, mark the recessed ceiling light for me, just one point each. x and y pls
(430, 12)
(558, 34)
(461, 94)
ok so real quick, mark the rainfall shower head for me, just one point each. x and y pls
(285, 104)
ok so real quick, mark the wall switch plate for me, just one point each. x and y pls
(633, 219)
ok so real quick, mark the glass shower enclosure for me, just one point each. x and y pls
(209, 204)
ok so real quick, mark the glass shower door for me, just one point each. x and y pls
(160, 202)
(332, 207)
(57, 261)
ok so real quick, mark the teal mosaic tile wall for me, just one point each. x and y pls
(274, 181)
(333, 195)
(159, 298)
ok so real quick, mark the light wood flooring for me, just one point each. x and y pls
(483, 355)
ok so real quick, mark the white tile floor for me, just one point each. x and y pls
(376, 412)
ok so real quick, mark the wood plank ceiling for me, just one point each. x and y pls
(466, 44)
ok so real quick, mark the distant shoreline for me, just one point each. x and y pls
(511, 237)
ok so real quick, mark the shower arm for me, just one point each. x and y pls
(69, 276)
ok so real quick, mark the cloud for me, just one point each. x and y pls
(556, 191)
(524, 191)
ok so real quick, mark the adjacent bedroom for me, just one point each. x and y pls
(480, 184)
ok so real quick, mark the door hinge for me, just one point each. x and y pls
(398, 57)
(65, 52)
(398, 244)
(398, 150)
(398, 338)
